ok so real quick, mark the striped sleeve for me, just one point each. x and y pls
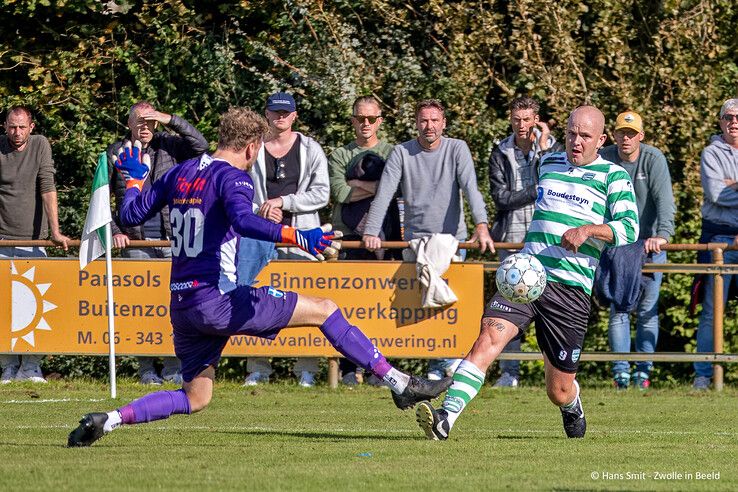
(622, 211)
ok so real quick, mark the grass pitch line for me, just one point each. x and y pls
(56, 400)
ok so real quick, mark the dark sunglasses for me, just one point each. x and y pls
(729, 117)
(279, 171)
(371, 119)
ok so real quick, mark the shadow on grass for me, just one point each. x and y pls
(320, 436)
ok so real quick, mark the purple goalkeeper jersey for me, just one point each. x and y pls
(210, 208)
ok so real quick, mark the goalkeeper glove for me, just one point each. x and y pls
(315, 241)
(132, 165)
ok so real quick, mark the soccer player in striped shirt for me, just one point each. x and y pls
(210, 202)
(584, 204)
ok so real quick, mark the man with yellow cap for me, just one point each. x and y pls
(649, 173)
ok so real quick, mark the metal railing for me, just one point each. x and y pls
(717, 269)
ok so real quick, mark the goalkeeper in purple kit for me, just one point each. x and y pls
(210, 201)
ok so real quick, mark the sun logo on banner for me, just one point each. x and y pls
(28, 306)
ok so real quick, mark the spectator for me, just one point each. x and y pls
(291, 184)
(433, 172)
(719, 172)
(366, 120)
(649, 173)
(26, 174)
(165, 151)
(513, 183)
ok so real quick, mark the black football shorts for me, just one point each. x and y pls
(561, 315)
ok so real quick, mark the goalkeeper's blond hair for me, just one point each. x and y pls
(239, 127)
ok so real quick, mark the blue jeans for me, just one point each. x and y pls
(647, 324)
(704, 329)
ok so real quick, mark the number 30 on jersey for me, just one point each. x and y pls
(187, 231)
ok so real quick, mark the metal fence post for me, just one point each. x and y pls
(717, 318)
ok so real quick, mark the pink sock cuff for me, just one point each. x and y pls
(127, 415)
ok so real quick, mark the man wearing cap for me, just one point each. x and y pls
(719, 174)
(290, 186)
(649, 173)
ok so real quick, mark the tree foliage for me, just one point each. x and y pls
(81, 63)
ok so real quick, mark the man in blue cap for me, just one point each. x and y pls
(290, 186)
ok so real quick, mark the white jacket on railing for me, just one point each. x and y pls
(433, 255)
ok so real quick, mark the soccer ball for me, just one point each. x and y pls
(521, 278)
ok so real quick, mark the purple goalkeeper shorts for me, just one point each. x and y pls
(201, 332)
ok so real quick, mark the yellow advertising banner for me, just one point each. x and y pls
(54, 308)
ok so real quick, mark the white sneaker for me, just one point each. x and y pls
(256, 378)
(150, 377)
(32, 374)
(307, 379)
(506, 380)
(175, 378)
(435, 375)
(9, 374)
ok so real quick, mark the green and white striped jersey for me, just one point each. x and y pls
(570, 196)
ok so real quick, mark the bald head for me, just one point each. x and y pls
(584, 135)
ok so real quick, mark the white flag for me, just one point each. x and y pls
(93, 244)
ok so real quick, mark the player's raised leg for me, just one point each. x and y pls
(468, 379)
(563, 391)
(351, 342)
(193, 397)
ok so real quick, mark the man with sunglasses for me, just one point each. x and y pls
(366, 118)
(290, 187)
(165, 149)
(719, 173)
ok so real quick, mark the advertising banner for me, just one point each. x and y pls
(54, 308)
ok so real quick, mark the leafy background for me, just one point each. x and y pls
(81, 63)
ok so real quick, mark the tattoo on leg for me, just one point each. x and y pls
(492, 323)
(499, 326)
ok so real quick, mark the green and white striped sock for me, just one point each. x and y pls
(467, 381)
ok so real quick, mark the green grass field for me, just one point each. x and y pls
(281, 437)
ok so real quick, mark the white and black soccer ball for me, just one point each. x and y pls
(521, 278)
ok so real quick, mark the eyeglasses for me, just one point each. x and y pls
(361, 118)
(279, 171)
(729, 117)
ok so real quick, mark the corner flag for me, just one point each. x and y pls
(96, 240)
(93, 243)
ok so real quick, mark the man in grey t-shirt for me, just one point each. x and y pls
(434, 172)
(26, 174)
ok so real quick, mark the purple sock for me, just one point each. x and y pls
(354, 345)
(155, 406)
